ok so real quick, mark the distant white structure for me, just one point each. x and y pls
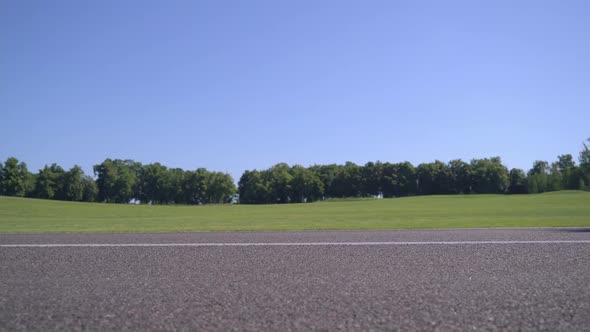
(378, 196)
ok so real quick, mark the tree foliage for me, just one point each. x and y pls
(116, 180)
(489, 176)
(433, 178)
(89, 189)
(13, 179)
(282, 184)
(518, 182)
(125, 181)
(121, 181)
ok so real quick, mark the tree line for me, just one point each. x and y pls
(118, 181)
(285, 184)
(124, 181)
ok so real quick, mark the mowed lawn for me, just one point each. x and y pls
(567, 208)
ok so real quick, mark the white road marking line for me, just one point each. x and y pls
(284, 244)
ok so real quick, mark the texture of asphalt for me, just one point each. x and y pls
(531, 286)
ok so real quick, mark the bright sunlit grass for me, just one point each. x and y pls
(566, 208)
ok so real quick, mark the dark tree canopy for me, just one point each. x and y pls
(125, 181)
(116, 180)
(518, 182)
(13, 180)
(121, 181)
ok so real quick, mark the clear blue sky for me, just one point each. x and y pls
(235, 85)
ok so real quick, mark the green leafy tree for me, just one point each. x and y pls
(565, 162)
(533, 184)
(116, 180)
(89, 189)
(14, 178)
(489, 176)
(153, 184)
(73, 188)
(220, 188)
(194, 187)
(176, 180)
(306, 186)
(406, 179)
(107, 174)
(518, 182)
(348, 181)
(279, 179)
(30, 181)
(398, 179)
(389, 180)
(46, 184)
(569, 172)
(540, 167)
(126, 182)
(460, 177)
(326, 174)
(554, 180)
(536, 183)
(538, 177)
(371, 179)
(433, 178)
(254, 188)
(281, 184)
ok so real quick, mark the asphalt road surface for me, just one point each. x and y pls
(483, 279)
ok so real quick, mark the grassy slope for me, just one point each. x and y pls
(569, 208)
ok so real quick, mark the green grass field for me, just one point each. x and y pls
(567, 208)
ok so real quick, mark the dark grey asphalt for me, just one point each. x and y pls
(389, 287)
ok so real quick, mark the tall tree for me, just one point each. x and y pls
(489, 176)
(30, 180)
(175, 182)
(569, 172)
(153, 183)
(279, 179)
(220, 188)
(433, 178)
(389, 180)
(348, 181)
(406, 179)
(73, 187)
(460, 177)
(47, 182)
(89, 189)
(398, 179)
(326, 174)
(116, 180)
(564, 162)
(50, 182)
(540, 167)
(371, 178)
(14, 178)
(518, 182)
(306, 186)
(106, 176)
(254, 188)
(538, 177)
(554, 180)
(194, 187)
